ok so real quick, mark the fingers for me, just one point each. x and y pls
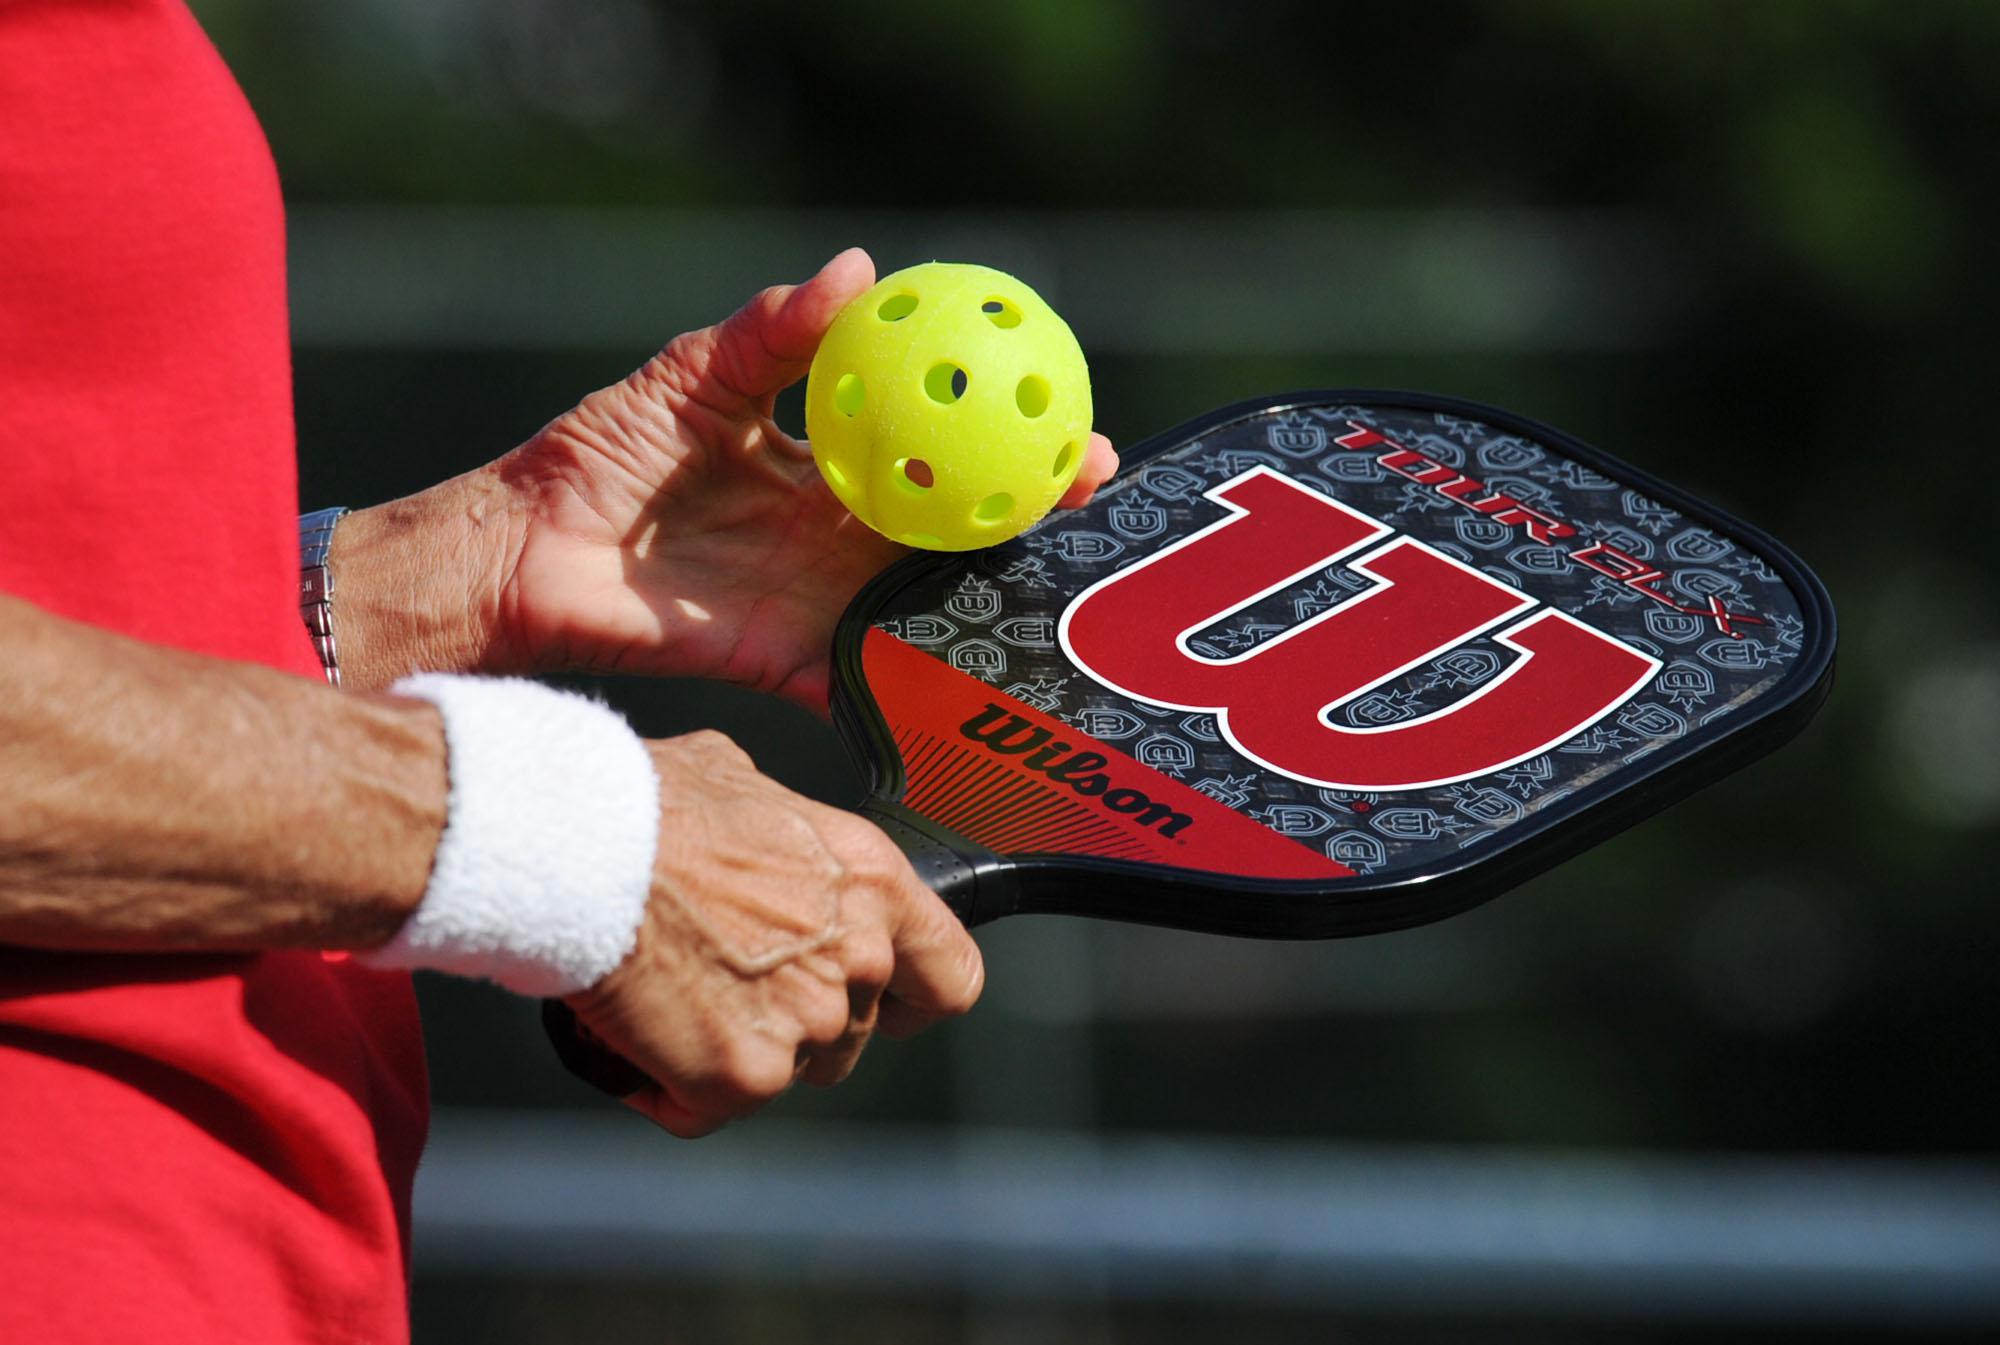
(768, 344)
(832, 1025)
(830, 1054)
(659, 1106)
(692, 1108)
(780, 935)
(942, 983)
(923, 967)
(1100, 463)
(830, 1063)
(939, 971)
(897, 1020)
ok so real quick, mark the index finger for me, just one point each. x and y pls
(939, 971)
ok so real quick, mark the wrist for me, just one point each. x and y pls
(420, 581)
(543, 872)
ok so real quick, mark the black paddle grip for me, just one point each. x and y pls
(589, 1059)
(967, 876)
(972, 880)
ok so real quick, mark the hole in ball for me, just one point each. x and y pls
(1001, 313)
(849, 394)
(1031, 394)
(994, 508)
(897, 307)
(916, 474)
(945, 383)
(922, 539)
(1064, 459)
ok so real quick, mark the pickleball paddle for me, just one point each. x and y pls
(1321, 664)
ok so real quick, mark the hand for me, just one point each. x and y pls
(780, 935)
(668, 526)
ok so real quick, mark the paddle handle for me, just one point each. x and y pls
(589, 1059)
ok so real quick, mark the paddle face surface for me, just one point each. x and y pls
(1323, 664)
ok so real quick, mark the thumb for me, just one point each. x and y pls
(768, 344)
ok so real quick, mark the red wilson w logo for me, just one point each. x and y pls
(1130, 632)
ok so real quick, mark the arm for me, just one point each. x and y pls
(153, 799)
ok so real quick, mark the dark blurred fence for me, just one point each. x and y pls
(1384, 1229)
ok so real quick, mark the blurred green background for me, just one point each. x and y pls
(1730, 1076)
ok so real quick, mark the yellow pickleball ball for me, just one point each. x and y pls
(948, 407)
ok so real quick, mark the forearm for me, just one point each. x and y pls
(152, 799)
(417, 581)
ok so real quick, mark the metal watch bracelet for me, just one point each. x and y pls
(316, 586)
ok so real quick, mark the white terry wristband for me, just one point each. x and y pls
(543, 871)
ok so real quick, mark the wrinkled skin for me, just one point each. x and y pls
(781, 934)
